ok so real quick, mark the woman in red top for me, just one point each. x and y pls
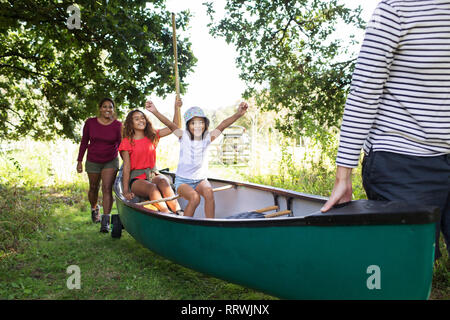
(138, 152)
(101, 138)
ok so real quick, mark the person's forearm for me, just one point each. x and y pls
(177, 116)
(172, 126)
(126, 177)
(228, 122)
(125, 182)
(343, 173)
(84, 142)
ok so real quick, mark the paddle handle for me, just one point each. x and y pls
(175, 55)
(177, 196)
(277, 214)
(266, 209)
(228, 186)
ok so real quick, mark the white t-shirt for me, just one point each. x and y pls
(193, 162)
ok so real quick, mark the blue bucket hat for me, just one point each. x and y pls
(194, 112)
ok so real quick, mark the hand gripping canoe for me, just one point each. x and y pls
(177, 196)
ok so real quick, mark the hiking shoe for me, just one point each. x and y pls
(104, 226)
(95, 214)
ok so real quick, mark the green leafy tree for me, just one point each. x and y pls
(53, 73)
(291, 58)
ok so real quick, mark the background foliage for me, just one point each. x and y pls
(291, 59)
(52, 77)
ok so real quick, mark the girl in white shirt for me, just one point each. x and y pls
(191, 175)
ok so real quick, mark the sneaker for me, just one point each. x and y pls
(104, 227)
(95, 214)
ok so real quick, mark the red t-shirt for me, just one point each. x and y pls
(142, 153)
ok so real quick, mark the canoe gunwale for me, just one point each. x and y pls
(358, 212)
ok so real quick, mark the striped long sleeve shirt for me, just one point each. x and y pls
(399, 99)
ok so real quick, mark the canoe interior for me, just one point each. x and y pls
(244, 197)
(305, 208)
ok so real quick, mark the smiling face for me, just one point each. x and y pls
(197, 126)
(137, 126)
(107, 110)
(139, 120)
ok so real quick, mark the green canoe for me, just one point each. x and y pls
(363, 250)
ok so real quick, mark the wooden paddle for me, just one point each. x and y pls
(177, 196)
(257, 214)
(277, 214)
(175, 55)
(266, 209)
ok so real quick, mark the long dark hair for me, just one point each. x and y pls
(204, 131)
(149, 131)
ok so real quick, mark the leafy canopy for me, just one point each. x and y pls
(53, 77)
(291, 59)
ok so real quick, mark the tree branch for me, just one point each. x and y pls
(284, 30)
(17, 54)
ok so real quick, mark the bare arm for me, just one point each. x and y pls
(83, 146)
(171, 127)
(176, 117)
(243, 106)
(126, 175)
(177, 112)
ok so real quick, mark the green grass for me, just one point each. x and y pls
(45, 227)
(110, 268)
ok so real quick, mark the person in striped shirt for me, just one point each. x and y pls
(398, 110)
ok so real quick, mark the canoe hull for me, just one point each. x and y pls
(298, 261)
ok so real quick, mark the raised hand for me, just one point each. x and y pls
(178, 102)
(150, 107)
(243, 106)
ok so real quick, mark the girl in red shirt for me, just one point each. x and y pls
(138, 152)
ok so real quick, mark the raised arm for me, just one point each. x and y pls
(243, 106)
(149, 106)
(177, 112)
(171, 126)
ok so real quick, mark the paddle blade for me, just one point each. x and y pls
(258, 215)
(247, 215)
